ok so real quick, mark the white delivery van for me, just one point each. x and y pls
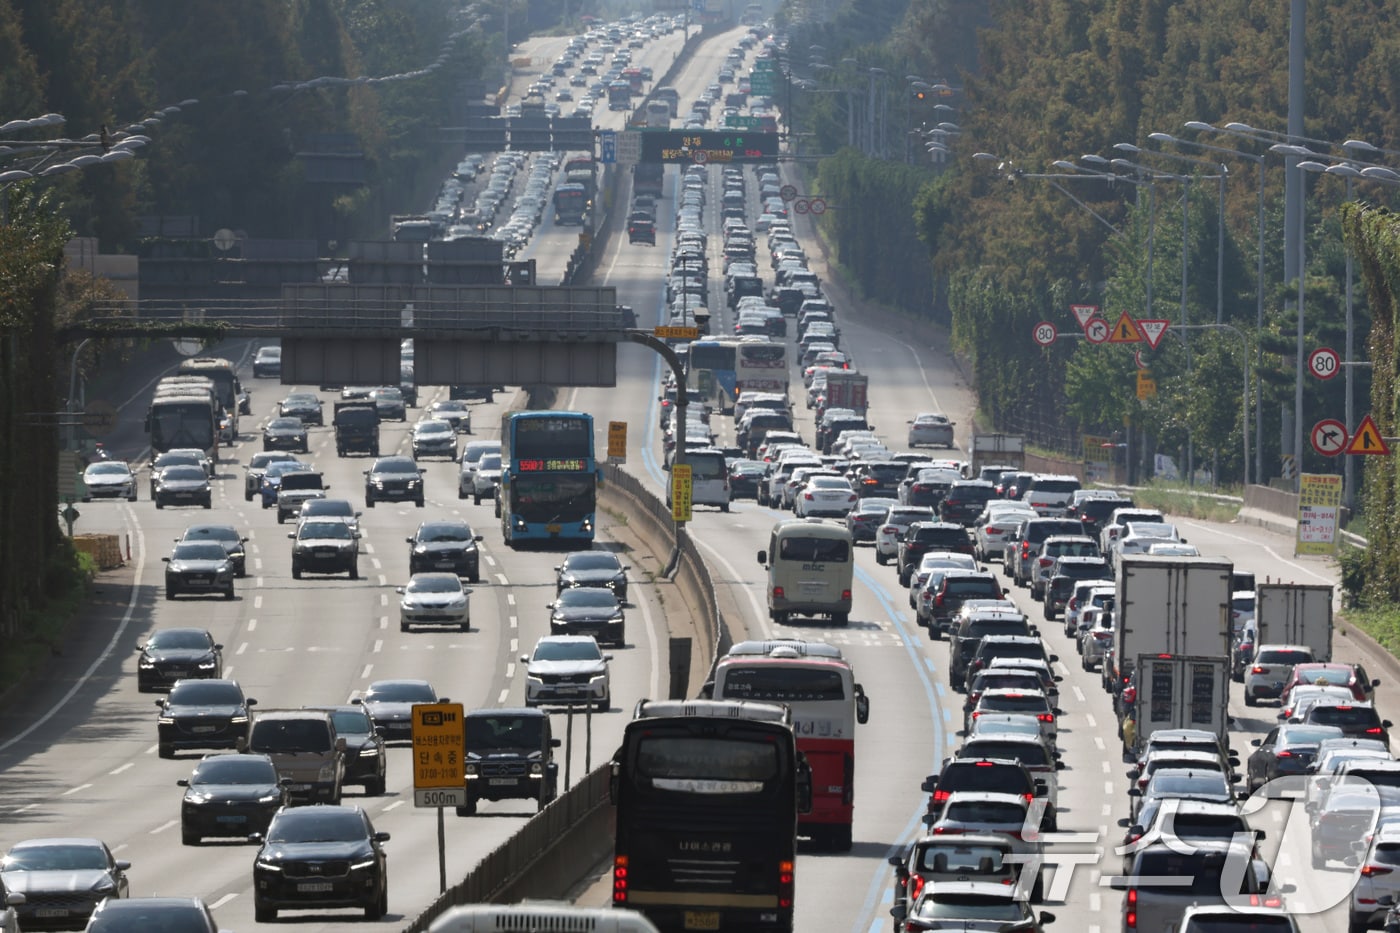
(709, 479)
(811, 566)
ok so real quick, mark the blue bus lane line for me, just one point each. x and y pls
(878, 892)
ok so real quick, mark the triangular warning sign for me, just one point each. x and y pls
(1152, 331)
(1082, 313)
(1367, 439)
(1125, 331)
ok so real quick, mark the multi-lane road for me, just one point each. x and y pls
(78, 750)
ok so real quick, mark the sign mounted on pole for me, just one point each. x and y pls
(1096, 331)
(1044, 333)
(1367, 439)
(1152, 331)
(1329, 437)
(1324, 362)
(1137, 358)
(607, 146)
(1146, 385)
(1125, 331)
(680, 492)
(617, 441)
(1319, 501)
(1082, 313)
(439, 754)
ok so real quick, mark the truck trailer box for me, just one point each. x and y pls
(1295, 614)
(1181, 692)
(1172, 605)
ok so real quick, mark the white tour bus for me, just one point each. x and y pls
(811, 568)
(544, 916)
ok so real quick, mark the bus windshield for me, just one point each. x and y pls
(182, 423)
(711, 356)
(551, 438)
(553, 499)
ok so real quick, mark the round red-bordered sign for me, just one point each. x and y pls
(787, 192)
(700, 156)
(1324, 363)
(1329, 437)
(1097, 330)
(818, 206)
(1044, 333)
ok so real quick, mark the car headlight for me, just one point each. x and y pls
(165, 720)
(616, 617)
(379, 484)
(239, 718)
(327, 773)
(594, 678)
(146, 663)
(370, 751)
(363, 864)
(407, 605)
(267, 864)
(197, 799)
(421, 549)
(270, 798)
(411, 483)
(536, 768)
(458, 601)
(206, 665)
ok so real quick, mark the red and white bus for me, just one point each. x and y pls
(817, 684)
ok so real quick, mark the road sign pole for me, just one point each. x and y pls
(442, 853)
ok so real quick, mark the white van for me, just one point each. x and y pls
(540, 915)
(709, 479)
(811, 569)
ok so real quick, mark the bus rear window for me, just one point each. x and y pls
(815, 550)
(706, 765)
(781, 684)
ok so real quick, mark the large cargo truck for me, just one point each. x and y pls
(1178, 606)
(1008, 449)
(1295, 614)
(356, 428)
(846, 388)
(1181, 692)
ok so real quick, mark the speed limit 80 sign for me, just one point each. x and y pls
(1324, 362)
(1044, 333)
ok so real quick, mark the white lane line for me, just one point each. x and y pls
(374, 562)
(1108, 787)
(383, 599)
(514, 645)
(242, 647)
(164, 826)
(514, 623)
(74, 790)
(1098, 742)
(501, 700)
(257, 563)
(1078, 694)
(393, 806)
(383, 621)
(510, 671)
(258, 581)
(121, 769)
(510, 599)
(1107, 810)
(228, 672)
(252, 624)
(1088, 717)
(223, 900)
(491, 561)
(378, 643)
(501, 579)
(1095, 902)
(383, 580)
(1104, 764)
(257, 603)
(369, 548)
(364, 674)
(27, 806)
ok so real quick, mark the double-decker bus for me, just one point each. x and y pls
(570, 204)
(225, 378)
(549, 478)
(761, 366)
(183, 415)
(708, 794)
(818, 686)
(712, 373)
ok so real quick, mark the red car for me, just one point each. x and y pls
(1335, 673)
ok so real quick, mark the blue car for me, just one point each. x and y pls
(272, 479)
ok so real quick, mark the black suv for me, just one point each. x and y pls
(878, 478)
(366, 754)
(203, 713)
(965, 501)
(983, 775)
(972, 629)
(1094, 512)
(336, 845)
(1003, 646)
(923, 537)
(510, 755)
(958, 587)
(394, 479)
(445, 545)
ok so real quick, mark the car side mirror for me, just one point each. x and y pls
(1134, 774)
(165, 560)
(524, 659)
(183, 782)
(382, 837)
(123, 864)
(1386, 723)
(250, 701)
(291, 534)
(400, 589)
(929, 785)
(408, 540)
(255, 838)
(1125, 823)
(762, 558)
(1134, 792)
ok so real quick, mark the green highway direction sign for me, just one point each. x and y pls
(734, 121)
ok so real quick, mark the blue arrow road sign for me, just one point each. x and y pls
(607, 146)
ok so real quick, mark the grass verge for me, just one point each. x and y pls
(1381, 624)
(1180, 501)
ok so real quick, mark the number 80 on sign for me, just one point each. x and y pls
(1044, 333)
(1324, 362)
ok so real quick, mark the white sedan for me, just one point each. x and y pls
(109, 479)
(434, 599)
(825, 496)
(932, 429)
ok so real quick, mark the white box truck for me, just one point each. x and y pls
(1295, 614)
(1177, 606)
(1181, 692)
(1008, 449)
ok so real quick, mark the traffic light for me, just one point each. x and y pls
(918, 95)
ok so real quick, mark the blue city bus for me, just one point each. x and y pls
(712, 374)
(549, 477)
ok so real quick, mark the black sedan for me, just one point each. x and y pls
(183, 485)
(173, 654)
(391, 404)
(225, 535)
(589, 611)
(455, 412)
(445, 546)
(394, 479)
(366, 760)
(592, 568)
(744, 477)
(202, 714)
(390, 704)
(304, 406)
(286, 434)
(1287, 750)
(230, 795)
(317, 857)
(198, 567)
(62, 880)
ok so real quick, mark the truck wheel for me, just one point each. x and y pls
(247, 496)
(840, 839)
(281, 516)
(418, 503)
(369, 503)
(881, 558)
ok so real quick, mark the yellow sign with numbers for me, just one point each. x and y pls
(439, 745)
(680, 492)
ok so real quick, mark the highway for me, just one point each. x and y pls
(78, 752)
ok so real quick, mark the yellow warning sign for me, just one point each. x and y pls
(617, 441)
(1125, 331)
(1367, 439)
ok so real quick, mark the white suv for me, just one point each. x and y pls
(888, 536)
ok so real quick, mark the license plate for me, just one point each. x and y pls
(205, 729)
(232, 818)
(314, 887)
(702, 920)
(566, 690)
(299, 787)
(199, 578)
(443, 563)
(51, 912)
(503, 782)
(553, 529)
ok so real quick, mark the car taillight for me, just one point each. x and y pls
(992, 530)
(947, 831)
(1256, 669)
(1374, 730)
(1284, 754)
(1046, 561)
(916, 884)
(778, 592)
(941, 796)
(1025, 549)
(1130, 915)
(926, 595)
(1371, 871)
(787, 877)
(845, 594)
(939, 600)
(1103, 636)
(976, 714)
(807, 496)
(1046, 717)
(619, 895)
